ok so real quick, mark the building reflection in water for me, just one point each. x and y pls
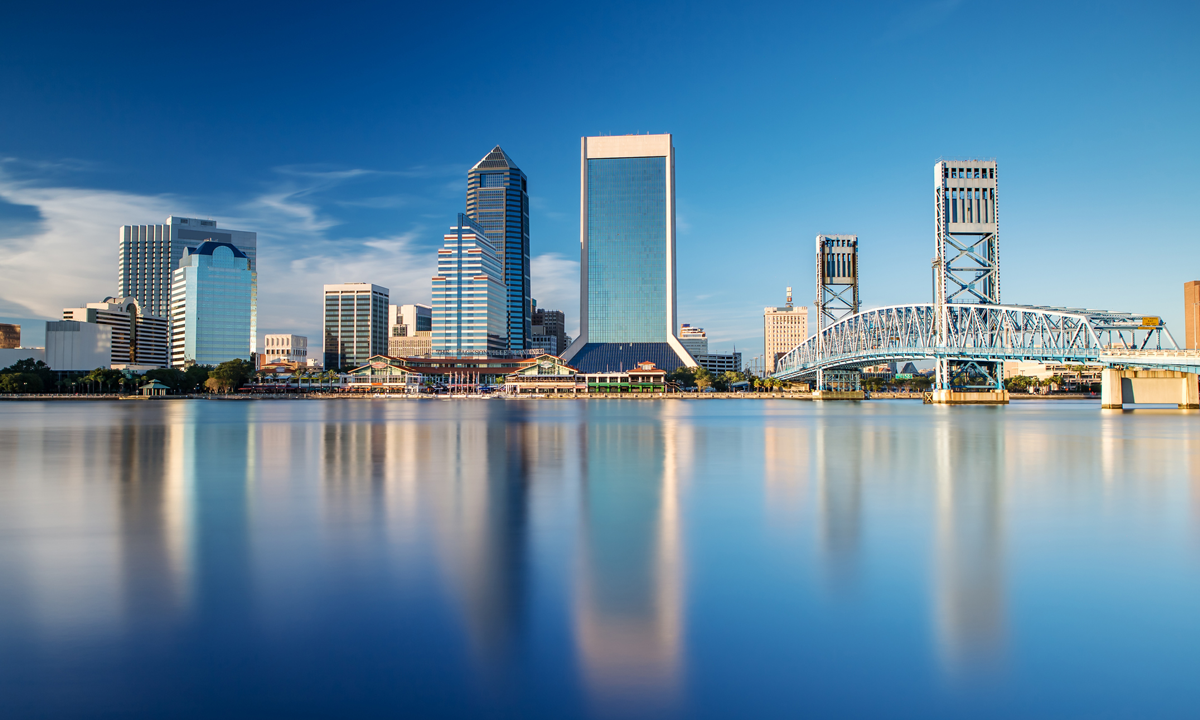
(628, 607)
(838, 458)
(786, 470)
(969, 538)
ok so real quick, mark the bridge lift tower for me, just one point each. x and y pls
(967, 265)
(837, 298)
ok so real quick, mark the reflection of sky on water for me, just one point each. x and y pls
(564, 559)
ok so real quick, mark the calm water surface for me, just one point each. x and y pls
(596, 559)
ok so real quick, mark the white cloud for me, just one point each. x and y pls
(555, 283)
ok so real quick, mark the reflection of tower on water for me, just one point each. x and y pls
(838, 468)
(970, 539)
(628, 596)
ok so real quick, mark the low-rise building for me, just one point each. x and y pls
(644, 378)
(546, 375)
(1074, 377)
(10, 336)
(465, 373)
(417, 344)
(284, 348)
(73, 346)
(382, 374)
(717, 363)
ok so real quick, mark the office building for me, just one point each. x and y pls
(355, 324)
(212, 305)
(549, 331)
(73, 346)
(469, 298)
(419, 344)
(150, 254)
(1191, 314)
(498, 201)
(627, 256)
(694, 340)
(783, 329)
(717, 363)
(408, 320)
(284, 348)
(139, 341)
(10, 336)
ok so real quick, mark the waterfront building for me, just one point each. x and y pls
(1191, 314)
(549, 330)
(545, 375)
(469, 298)
(139, 341)
(212, 305)
(627, 255)
(783, 329)
(466, 373)
(694, 339)
(643, 377)
(279, 348)
(150, 254)
(10, 336)
(1073, 377)
(74, 346)
(717, 363)
(382, 374)
(354, 324)
(498, 201)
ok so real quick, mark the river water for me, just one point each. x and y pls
(616, 558)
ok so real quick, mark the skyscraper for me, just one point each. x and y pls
(212, 305)
(469, 299)
(627, 255)
(783, 329)
(498, 201)
(150, 254)
(356, 317)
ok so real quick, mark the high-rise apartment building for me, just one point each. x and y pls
(694, 340)
(783, 329)
(150, 254)
(469, 298)
(355, 324)
(498, 201)
(284, 348)
(627, 255)
(212, 305)
(139, 340)
(1191, 314)
(10, 336)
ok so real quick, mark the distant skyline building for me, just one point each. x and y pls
(139, 340)
(1191, 314)
(469, 298)
(627, 255)
(10, 336)
(149, 255)
(498, 201)
(549, 331)
(783, 329)
(410, 330)
(278, 347)
(694, 339)
(354, 325)
(717, 363)
(212, 305)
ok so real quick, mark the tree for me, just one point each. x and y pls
(229, 375)
(20, 382)
(35, 367)
(194, 377)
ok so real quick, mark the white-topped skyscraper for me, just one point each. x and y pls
(627, 255)
(150, 254)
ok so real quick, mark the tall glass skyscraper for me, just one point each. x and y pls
(211, 305)
(469, 318)
(149, 255)
(498, 201)
(627, 260)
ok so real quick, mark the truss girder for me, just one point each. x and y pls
(981, 333)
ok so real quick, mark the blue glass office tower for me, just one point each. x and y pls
(627, 260)
(498, 202)
(469, 298)
(212, 305)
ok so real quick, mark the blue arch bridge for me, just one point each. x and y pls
(970, 343)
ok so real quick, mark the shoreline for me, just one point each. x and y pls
(582, 396)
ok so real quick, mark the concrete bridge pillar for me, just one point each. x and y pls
(1118, 387)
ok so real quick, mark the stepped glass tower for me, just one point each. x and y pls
(498, 202)
(967, 262)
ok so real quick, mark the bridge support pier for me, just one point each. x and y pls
(956, 397)
(1118, 387)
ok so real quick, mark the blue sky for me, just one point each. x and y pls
(342, 134)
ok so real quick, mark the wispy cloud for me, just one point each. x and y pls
(555, 282)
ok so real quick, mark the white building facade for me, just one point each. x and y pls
(73, 346)
(139, 341)
(285, 348)
(694, 339)
(355, 324)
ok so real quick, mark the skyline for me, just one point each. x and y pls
(774, 146)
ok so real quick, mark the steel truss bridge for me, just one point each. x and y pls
(979, 336)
